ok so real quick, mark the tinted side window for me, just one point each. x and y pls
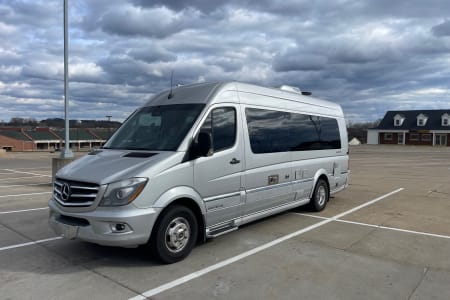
(221, 125)
(223, 128)
(275, 131)
(330, 137)
(268, 130)
(305, 132)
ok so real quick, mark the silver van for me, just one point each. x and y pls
(199, 161)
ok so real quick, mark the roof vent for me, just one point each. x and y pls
(289, 88)
(294, 89)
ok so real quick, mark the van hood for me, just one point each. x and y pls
(106, 166)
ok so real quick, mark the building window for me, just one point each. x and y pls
(422, 120)
(398, 120)
(388, 136)
(426, 137)
(413, 136)
(445, 122)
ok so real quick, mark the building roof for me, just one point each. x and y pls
(434, 121)
(14, 134)
(76, 134)
(41, 135)
(103, 133)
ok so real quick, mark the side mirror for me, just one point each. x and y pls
(202, 147)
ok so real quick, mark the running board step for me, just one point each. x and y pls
(220, 231)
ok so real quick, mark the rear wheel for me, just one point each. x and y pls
(174, 235)
(320, 196)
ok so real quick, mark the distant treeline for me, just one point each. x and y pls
(59, 123)
(359, 130)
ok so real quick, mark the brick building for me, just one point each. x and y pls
(412, 127)
(15, 140)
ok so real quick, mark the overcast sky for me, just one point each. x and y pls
(368, 56)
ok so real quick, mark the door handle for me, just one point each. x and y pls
(234, 161)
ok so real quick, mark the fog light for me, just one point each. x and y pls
(118, 227)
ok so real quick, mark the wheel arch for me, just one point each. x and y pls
(184, 196)
(320, 174)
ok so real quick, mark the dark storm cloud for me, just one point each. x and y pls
(157, 22)
(294, 60)
(369, 56)
(442, 29)
(152, 54)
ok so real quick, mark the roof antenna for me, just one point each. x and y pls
(171, 85)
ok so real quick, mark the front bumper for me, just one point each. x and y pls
(100, 225)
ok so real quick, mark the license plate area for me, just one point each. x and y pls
(68, 231)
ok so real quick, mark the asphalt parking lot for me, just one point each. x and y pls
(385, 237)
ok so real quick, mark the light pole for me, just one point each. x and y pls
(67, 153)
(109, 125)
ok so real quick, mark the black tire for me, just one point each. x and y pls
(320, 196)
(174, 235)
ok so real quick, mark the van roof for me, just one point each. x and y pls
(205, 92)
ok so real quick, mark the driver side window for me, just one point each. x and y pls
(221, 126)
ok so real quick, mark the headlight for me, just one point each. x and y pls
(123, 192)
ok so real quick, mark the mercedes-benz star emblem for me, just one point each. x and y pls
(65, 192)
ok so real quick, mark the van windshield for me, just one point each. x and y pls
(160, 128)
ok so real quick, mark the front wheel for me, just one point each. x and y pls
(320, 196)
(174, 235)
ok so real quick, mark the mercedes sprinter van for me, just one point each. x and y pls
(199, 161)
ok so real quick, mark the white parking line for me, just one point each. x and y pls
(231, 260)
(15, 178)
(31, 243)
(22, 210)
(19, 195)
(379, 226)
(29, 173)
(30, 184)
(36, 168)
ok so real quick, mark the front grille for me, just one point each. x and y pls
(74, 193)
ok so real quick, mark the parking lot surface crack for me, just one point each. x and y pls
(424, 273)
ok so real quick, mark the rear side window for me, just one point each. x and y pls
(274, 131)
(221, 125)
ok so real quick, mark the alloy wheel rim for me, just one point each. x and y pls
(321, 195)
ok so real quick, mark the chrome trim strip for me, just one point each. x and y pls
(214, 209)
(72, 204)
(84, 195)
(268, 187)
(222, 196)
(84, 187)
